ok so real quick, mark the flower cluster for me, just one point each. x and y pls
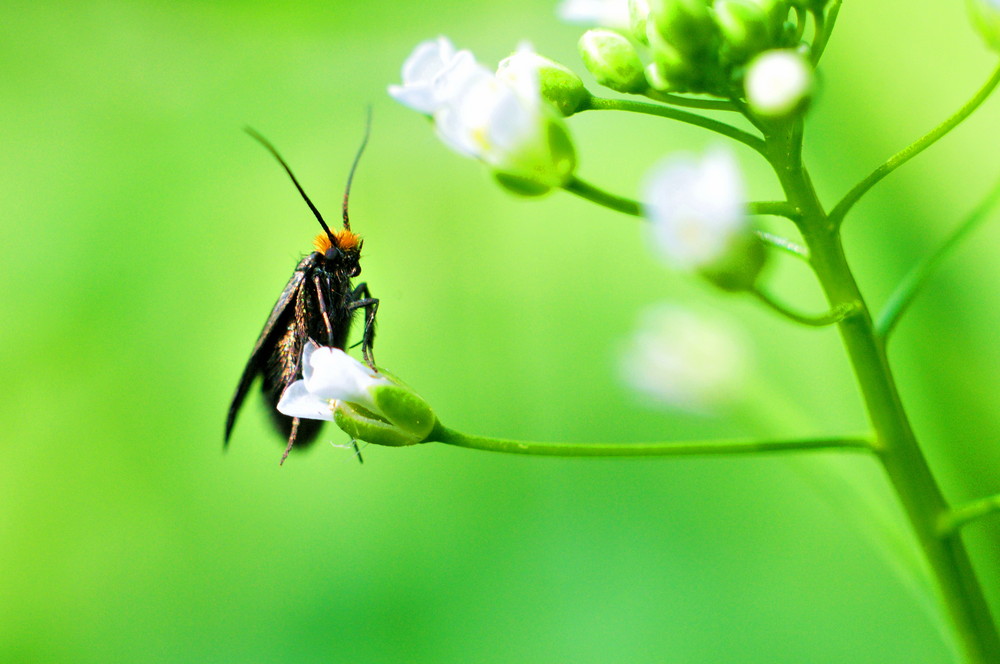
(689, 46)
(510, 120)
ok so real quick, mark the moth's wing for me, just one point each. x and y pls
(274, 326)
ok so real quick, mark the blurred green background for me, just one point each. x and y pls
(145, 238)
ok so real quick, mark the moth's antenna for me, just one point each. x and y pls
(263, 141)
(354, 166)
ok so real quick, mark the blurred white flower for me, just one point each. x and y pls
(686, 360)
(697, 209)
(502, 121)
(986, 17)
(777, 82)
(433, 73)
(329, 375)
(605, 13)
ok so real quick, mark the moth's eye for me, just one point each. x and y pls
(334, 253)
(356, 271)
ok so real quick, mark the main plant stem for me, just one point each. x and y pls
(905, 465)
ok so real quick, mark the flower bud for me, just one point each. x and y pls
(669, 71)
(778, 83)
(558, 85)
(776, 12)
(613, 60)
(986, 17)
(638, 12)
(698, 220)
(738, 269)
(744, 28)
(686, 24)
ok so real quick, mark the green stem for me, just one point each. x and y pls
(917, 278)
(597, 195)
(783, 244)
(824, 27)
(632, 207)
(773, 208)
(690, 102)
(904, 463)
(448, 436)
(955, 519)
(603, 104)
(841, 209)
(835, 315)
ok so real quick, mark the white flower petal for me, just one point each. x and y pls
(426, 74)
(333, 374)
(298, 401)
(777, 81)
(687, 360)
(697, 208)
(605, 13)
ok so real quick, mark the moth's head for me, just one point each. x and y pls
(342, 249)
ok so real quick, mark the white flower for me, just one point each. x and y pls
(433, 73)
(605, 13)
(329, 375)
(502, 121)
(777, 82)
(986, 17)
(685, 360)
(697, 209)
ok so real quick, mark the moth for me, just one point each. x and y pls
(319, 302)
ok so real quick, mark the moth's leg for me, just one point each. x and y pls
(291, 440)
(324, 312)
(361, 298)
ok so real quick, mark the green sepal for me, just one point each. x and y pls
(362, 424)
(738, 270)
(405, 409)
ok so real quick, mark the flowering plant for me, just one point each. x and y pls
(688, 61)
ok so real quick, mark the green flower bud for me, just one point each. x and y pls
(638, 12)
(613, 60)
(986, 17)
(738, 270)
(403, 418)
(558, 85)
(776, 12)
(744, 27)
(686, 24)
(669, 71)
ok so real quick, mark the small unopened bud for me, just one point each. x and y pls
(686, 24)
(738, 269)
(669, 71)
(778, 83)
(744, 28)
(558, 85)
(638, 12)
(613, 60)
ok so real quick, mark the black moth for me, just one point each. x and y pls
(318, 303)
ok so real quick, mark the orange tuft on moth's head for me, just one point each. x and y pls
(344, 239)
